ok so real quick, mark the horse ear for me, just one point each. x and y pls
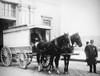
(77, 33)
(68, 34)
(64, 33)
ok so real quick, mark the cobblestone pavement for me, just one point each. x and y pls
(75, 69)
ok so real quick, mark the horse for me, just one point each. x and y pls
(52, 49)
(66, 50)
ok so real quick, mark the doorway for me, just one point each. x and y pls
(5, 24)
(1, 32)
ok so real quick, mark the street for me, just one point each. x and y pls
(75, 69)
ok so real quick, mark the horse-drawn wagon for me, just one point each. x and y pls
(17, 44)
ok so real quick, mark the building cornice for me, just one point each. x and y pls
(11, 1)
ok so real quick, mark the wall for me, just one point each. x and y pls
(50, 9)
(26, 12)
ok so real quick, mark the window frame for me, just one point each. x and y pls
(8, 10)
(49, 23)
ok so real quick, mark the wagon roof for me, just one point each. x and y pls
(25, 27)
(41, 27)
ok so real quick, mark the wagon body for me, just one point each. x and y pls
(17, 40)
(20, 37)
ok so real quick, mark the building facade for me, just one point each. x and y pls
(14, 13)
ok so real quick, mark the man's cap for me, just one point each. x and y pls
(87, 42)
(91, 41)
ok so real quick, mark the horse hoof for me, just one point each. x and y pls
(65, 72)
(39, 68)
(58, 72)
(49, 72)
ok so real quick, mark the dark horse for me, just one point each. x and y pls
(57, 47)
(52, 49)
(67, 50)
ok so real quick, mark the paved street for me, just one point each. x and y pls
(75, 69)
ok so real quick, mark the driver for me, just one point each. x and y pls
(35, 37)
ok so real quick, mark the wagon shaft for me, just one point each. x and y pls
(70, 54)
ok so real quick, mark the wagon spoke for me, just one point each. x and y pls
(23, 60)
(46, 61)
(6, 56)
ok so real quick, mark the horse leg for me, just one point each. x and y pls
(39, 61)
(57, 63)
(68, 58)
(51, 63)
(66, 62)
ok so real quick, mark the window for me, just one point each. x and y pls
(7, 23)
(9, 9)
(46, 22)
(8, 14)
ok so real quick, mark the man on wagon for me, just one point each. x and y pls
(35, 37)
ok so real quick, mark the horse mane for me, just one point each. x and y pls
(61, 40)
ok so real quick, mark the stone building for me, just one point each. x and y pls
(43, 13)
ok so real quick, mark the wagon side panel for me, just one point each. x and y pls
(17, 39)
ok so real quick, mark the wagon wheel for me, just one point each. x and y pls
(23, 60)
(46, 61)
(6, 56)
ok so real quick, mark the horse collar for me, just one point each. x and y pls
(70, 42)
(56, 42)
